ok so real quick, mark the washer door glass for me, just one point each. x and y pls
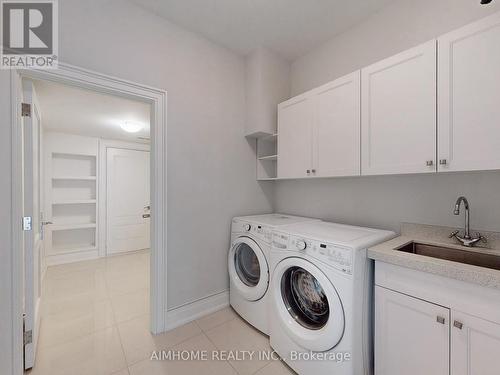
(304, 298)
(306, 304)
(248, 269)
(247, 264)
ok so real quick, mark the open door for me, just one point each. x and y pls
(32, 220)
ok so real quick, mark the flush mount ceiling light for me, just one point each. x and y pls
(131, 127)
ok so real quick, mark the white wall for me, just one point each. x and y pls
(385, 201)
(267, 85)
(6, 349)
(402, 25)
(211, 166)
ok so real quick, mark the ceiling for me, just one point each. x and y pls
(78, 111)
(289, 27)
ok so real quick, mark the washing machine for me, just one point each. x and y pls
(248, 265)
(321, 297)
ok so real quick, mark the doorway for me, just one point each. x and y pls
(83, 189)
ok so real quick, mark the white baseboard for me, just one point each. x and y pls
(52, 260)
(196, 309)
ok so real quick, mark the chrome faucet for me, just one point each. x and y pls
(466, 239)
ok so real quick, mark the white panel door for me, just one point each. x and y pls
(475, 345)
(469, 92)
(336, 148)
(127, 200)
(295, 120)
(33, 244)
(398, 116)
(411, 335)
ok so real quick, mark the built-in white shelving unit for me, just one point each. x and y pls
(267, 156)
(72, 198)
(77, 187)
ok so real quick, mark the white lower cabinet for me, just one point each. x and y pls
(411, 335)
(416, 337)
(475, 345)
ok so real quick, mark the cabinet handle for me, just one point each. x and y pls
(429, 163)
(308, 171)
(458, 324)
(440, 320)
(313, 170)
(443, 161)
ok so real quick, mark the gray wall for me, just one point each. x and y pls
(385, 201)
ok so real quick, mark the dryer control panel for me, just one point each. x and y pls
(336, 256)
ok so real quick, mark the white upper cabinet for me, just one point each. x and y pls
(318, 131)
(336, 149)
(433, 108)
(398, 115)
(295, 137)
(469, 92)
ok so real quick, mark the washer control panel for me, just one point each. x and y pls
(338, 257)
(256, 230)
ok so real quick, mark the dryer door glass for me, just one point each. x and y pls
(247, 265)
(304, 298)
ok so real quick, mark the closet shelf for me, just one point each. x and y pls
(74, 249)
(75, 178)
(76, 201)
(56, 227)
(268, 157)
(271, 137)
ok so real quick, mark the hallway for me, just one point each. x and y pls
(95, 321)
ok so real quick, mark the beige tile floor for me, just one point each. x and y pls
(95, 321)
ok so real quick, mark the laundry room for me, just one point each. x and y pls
(250, 187)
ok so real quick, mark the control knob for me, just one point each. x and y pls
(248, 227)
(301, 245)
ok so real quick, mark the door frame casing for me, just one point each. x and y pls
(87, 79)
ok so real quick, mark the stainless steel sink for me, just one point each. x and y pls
(454, 255)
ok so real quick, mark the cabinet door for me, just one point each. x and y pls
(411, 335)
(475, 345)
(336, 149)
(295, 138)
(398, 115)
(469, 91)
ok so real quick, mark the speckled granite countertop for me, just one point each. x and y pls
(435, 235)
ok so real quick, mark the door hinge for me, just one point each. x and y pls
(27, 337)
(25, 110)
(27, 223)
